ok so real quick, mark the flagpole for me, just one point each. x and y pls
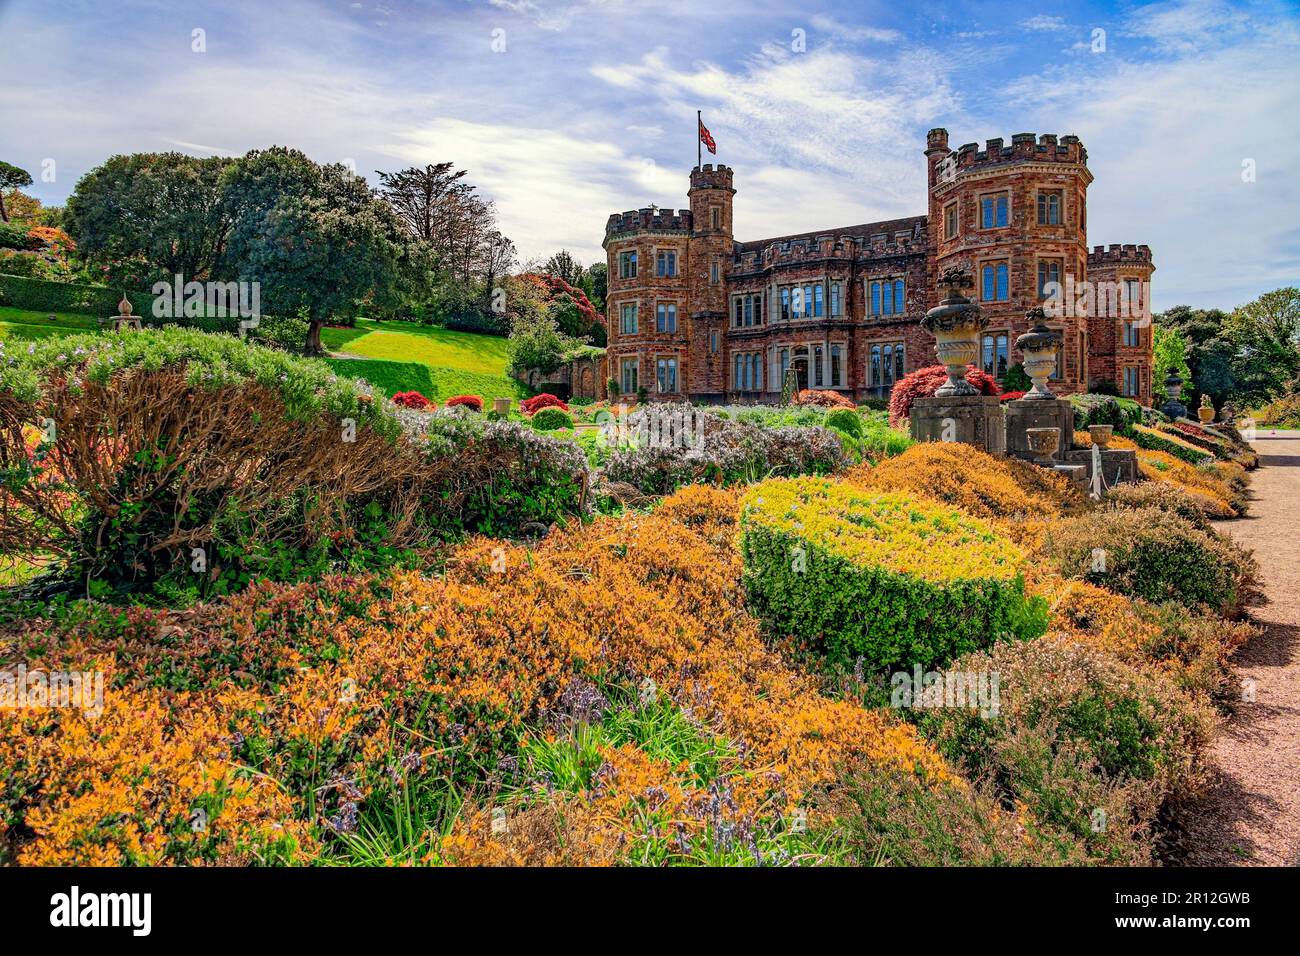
(699, 149)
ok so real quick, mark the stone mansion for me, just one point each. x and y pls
(695, 314)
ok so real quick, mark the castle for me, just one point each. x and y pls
(694, 314)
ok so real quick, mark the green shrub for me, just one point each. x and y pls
(44, 295)
(1153, 440)
(1163, 496)
(1017, 379)
(286, 334)
(1151, 554)
(845, 420)
(1097, 409)
(882, 577)
(1087, 744)
(887, 817)
(550, 419)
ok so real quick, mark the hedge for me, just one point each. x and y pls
(1093, 409)
(43, 295)
(1153, 440)
(883, 577)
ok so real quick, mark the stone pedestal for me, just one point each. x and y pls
(1118, 465)
(1023, 415)
(972, 419)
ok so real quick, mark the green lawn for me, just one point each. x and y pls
(410, 342)
(399, 356)
(25, 325)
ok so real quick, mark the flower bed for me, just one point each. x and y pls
(881, 576)
(924, 382)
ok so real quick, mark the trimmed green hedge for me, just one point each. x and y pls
(895, 581)
(43, 295)
(1152, 440)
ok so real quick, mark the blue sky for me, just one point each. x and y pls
(588, 108)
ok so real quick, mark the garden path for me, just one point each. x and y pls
(1251, 816)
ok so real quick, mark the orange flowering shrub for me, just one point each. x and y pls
(979, 484)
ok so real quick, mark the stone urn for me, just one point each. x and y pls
(1044, 442)
(1205, 412)
(124, 319)
(1101, 434)
(956, 323)
(1039, 346)
(501, 406)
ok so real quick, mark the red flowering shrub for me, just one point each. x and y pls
(537, 402)
(411, 399)
(469, 401)
(1012, 396)
(924, 382)
(822, 399)
(554, 287)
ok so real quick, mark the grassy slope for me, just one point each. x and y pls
(398, 357)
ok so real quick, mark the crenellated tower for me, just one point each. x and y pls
(1015, 217)
(711, 252)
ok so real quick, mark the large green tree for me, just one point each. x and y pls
(161, 210)
(318, 241)
(11, 177)
(1264, 335)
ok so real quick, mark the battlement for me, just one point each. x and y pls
(648, 219)
(1024, 147)
(709, 176)
(866, 241)
(1127, 254)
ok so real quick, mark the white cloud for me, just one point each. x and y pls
(854, 33)
(1044, 24)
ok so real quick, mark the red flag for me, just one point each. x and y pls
(707, 139)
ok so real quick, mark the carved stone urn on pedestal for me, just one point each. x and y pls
(1044, 442)
(1205, 412)
(1101, 434)
(1174, 388)
(1040, 346)
(956, 323)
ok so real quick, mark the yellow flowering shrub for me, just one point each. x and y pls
(883, 576)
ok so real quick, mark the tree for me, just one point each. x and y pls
(11, 177)
(1169, 349)
(1264, 335)
(161, 213)
(563, 264)
(315, 237)
(596, 284)
(420, 196)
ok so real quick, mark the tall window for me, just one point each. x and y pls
(666, 317)
(993, 211)
(819, 304)
(803, 301)
(714, 272)
(713, 341)
(885, 364)
(666, 263)
(747, 310)
(837, 366)
(950, 222)
(1131, 382)
(1049, 208)
(627, 318)
(835, 298)
(1049, 274)
(1132, 334)
(715, 217)
(784, 358)
(993, 282)
(747, 372)
(627, 265)
(1133, 296)
(785, 304)
(819, 367)
(628, 378)
(666, 374)
(995, 354)
(887, 297)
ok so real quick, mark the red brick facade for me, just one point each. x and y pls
(704, 317)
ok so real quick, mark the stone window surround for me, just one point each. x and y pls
(866, 358)
(979, 208)
(1038, 261)
(619, 306)
(679, 359)
(677, 252)
(866, 295)
(825, 281)
(774, 363)
(992, 260)
(743, 354)
(677, 321)
(634, 259)
(955, 206)
(734, 297)
(1062, 219)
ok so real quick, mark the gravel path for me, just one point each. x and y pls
(1252, 815)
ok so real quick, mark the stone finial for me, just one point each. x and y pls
(124, 307)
